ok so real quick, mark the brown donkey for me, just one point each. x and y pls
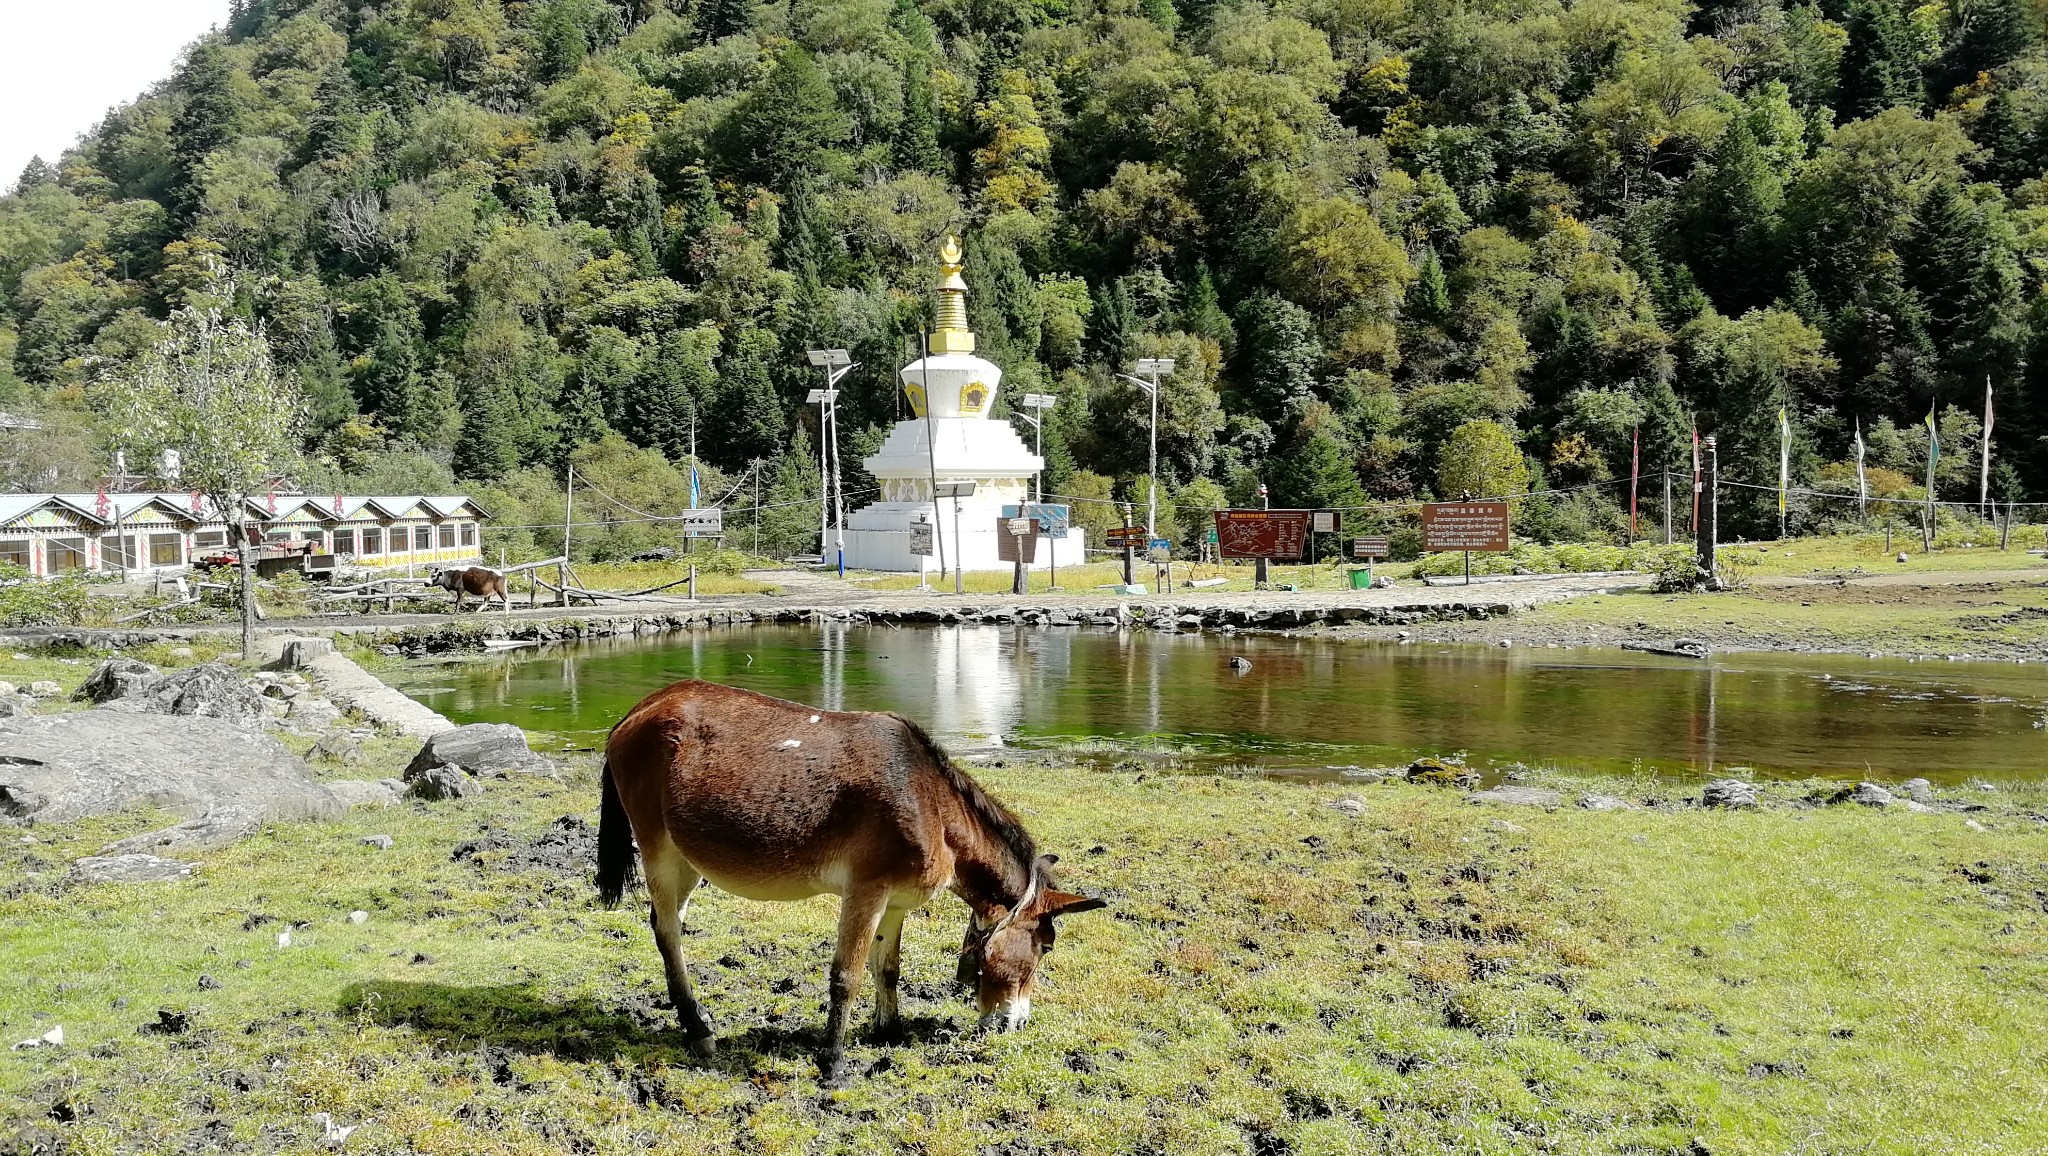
(774, 800)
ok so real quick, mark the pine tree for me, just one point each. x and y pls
(2007, 156)
(778, 129)
(563, 42)
(916, 145)
(1316, 472)
(1732, 222)
(206, 120)
(718, 19)
(1964, 271)
(1276, 356)
(672, 389)
(37, 173)
(1429, 297)
(1990, 35)
(1878, 68)
(488, 447)
(789, 517)
(1113, 328)
(1202, 313)
(748, 418)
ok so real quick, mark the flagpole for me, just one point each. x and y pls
(1635, 474)
(1933, 455)
(1862, 482)
(1784, 467)
(1695, 479)
(1984, 477)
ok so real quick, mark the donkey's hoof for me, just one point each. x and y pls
(702, 1047)
(832, 1071)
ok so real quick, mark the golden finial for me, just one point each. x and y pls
(952, 335)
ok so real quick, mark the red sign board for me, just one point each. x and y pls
(1262, 533)
(1129, 535)
(1465, 526)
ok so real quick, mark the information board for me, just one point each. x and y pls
(1465, 526)
(1053, 519)
(1011, 545)
(1262, 533)
(702, 522)
(1369, 547)
(1159, 549)
(1129, 535)
(921, 539)
(1324, 522)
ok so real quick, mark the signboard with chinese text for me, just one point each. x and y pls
(1369, 547)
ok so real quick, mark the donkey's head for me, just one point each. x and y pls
(999, 960)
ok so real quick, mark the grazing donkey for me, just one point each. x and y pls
(774, 800)
(481, 581)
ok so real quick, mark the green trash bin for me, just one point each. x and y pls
(1361, 578)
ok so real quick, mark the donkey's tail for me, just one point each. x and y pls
(614, 844)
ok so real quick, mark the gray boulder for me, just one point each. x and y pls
(1918, 790)
(1869, 795)
(210, 689)
(438, 784)
(112, 679)
(1518, 797)
(311, 714)
(128, 869)
(365, 792)
(14, 705)
(216, 828)
(481, 749)
(299, 653)
(44, 688)
(98, 762)
(1729, 793)
(336, 746)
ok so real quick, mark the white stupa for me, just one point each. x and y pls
(952, 392)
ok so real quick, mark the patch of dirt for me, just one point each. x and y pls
(568, 847)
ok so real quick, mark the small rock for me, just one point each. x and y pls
(442, 783)
(1597, 802)
(208, 983)
(380, 842)
(336, 746)
(170, 1021)
(113, 679)
(1974, 825)
(1985, 787)
(128, 869)
(1441, 773)
(1519, 797)
(284, 939)
(1729, 793)
(181, 652)
(1349, 806)
(363, 793)
(15, 705)
(359, 917)
(310, 713)
(1918, 807)
(421, 959)
(1504, 825)
(1867, 794)
(44, 688)
(1918, 790)
(1902, 556)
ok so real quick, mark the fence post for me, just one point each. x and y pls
(1710, 508)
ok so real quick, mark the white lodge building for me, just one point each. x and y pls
(49, 534)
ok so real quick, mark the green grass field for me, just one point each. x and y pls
(1273, 976)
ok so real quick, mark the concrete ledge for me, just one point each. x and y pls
(353, 688)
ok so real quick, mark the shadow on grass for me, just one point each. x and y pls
(516, 1017)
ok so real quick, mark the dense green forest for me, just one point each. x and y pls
(492, 237)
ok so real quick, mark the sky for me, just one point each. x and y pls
(65, 63)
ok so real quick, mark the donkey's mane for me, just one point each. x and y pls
(980, 802)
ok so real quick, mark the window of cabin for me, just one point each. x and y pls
(373, 540)
(210, 540)
(345, 542)
(17, 552)
(447, 537)
(166, 549)
(66, 554)
(423, 538)
(469, 533)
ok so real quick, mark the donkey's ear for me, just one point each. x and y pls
(1068, 903)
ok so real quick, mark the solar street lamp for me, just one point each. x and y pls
(836, 363)
(1039, 402)
(1153, 368)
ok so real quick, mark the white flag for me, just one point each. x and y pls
(1862, 482)
(1984, 478)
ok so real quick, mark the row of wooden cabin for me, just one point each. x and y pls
(50, 534)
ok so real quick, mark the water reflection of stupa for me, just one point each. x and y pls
(952, 393)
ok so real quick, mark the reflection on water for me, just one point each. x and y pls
(1310, 703)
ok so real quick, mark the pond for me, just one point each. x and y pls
(1309, 706)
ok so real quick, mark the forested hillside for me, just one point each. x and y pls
(486, 236)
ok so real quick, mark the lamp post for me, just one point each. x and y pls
(1153, 368)
(837, 364)
(1039, 402)
(955, 491)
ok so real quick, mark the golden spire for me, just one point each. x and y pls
(952, 335)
